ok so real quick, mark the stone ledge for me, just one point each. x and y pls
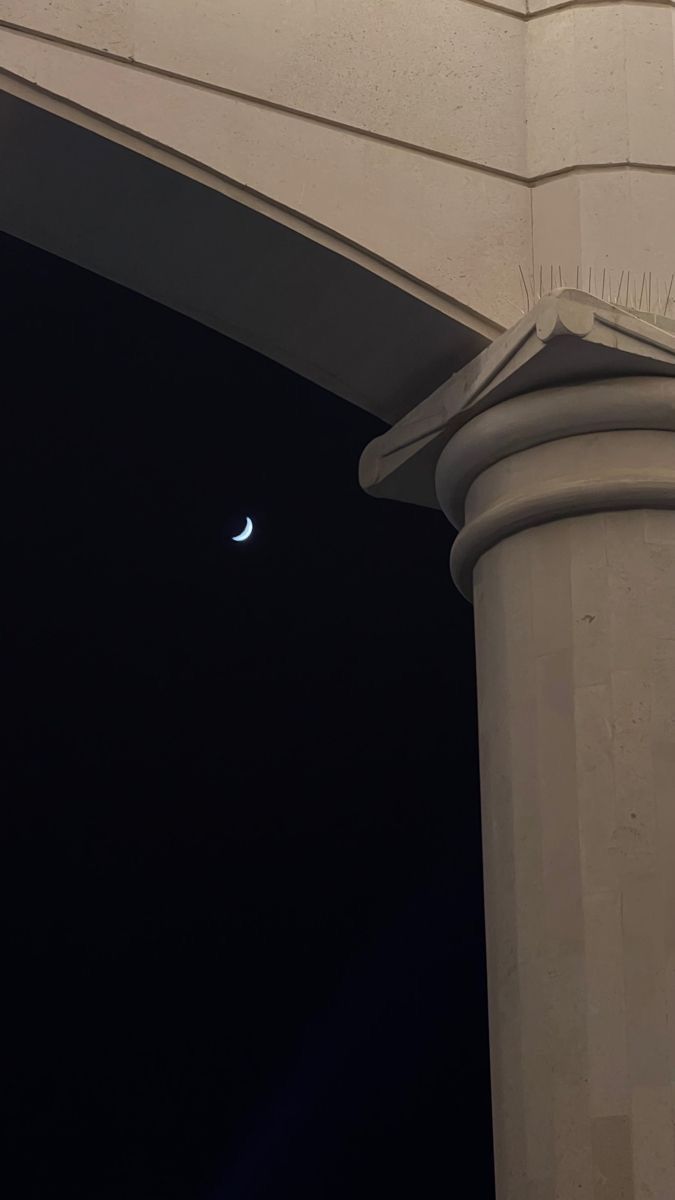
(569, 337)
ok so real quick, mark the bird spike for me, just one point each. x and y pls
(527, 294)
(647, 295)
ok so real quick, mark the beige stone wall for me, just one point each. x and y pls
(601, 142)
(416, 72)
(455, 140)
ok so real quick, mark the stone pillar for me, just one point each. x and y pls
(553, 454)
(565, 500)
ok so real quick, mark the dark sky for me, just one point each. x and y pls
(242, 900)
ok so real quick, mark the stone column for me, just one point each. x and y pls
(553, 454)
(565, 500)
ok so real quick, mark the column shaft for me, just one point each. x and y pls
(575, 634)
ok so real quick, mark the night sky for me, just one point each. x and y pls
(242, 939)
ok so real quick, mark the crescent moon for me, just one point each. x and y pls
(245, 533)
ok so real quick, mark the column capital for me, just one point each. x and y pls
(568, 339)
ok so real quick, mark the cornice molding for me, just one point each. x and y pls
(568, 338)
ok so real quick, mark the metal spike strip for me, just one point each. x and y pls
(650, 288)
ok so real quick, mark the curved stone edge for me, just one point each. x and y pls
(619, 493)
(637, 402)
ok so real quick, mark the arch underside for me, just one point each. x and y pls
(170, 237)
